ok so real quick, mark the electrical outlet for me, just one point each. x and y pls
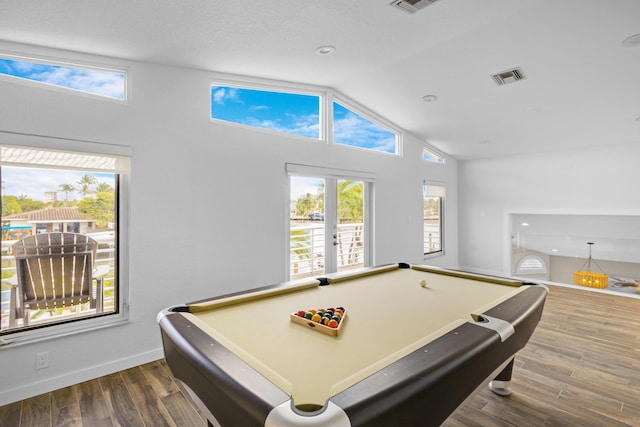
(42, 360)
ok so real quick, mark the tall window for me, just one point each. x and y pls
(100, 82)
(433, 204)
(60, 237)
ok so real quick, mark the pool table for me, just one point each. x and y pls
(414, 343)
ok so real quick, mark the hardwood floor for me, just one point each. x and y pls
(146, 395)
(581, 368)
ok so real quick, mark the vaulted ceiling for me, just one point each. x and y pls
(581, 85)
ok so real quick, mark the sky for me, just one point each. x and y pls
(33, 183)
(298, 115)
(301, 185)
(104, 83)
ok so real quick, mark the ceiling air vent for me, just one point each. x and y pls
(412, 6)
(508, 76)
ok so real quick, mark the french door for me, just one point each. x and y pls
(329, 221)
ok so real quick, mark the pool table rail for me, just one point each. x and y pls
(240, 394)
(426, 386)
(422, 388)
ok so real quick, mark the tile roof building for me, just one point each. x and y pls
(65, 219)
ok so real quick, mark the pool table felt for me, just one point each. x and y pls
(389, 316)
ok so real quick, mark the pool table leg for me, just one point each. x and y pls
(500, 384)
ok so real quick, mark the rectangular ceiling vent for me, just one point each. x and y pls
(412, 6)
(509, 76)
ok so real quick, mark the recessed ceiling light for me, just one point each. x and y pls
(554, 250)
(429, 98)
(325, 50)
(525, 224)
(632, 41)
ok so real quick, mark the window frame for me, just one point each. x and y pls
(442, 198)
(121, 312)
(251, 84)
(326, 96)
(434, 154)
(80, 65)
(368, 115)
(542, 269)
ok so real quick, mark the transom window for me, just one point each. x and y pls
(95, 81)
(430, 155)
(292, 113)
(351, 128)
(298, 113)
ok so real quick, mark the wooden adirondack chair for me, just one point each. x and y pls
(54, 270)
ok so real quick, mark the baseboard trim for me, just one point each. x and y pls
(29, 390)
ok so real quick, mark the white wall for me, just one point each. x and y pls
(196, 186)
(600, 181)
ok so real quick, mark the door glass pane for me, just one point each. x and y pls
(307, 227)
(350, 238)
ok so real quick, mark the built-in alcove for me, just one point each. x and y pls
(552, 246)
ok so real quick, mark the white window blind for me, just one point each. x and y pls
(434, 190)
(106, 158)
(294, 169)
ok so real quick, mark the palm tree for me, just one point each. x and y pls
(103, 187)
(85, 184)
(66, 188)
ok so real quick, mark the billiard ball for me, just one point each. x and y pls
(423, 283)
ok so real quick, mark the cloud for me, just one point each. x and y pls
(223, 94)
(34, 182)
(105, 83)
(357, 131)
(307, 125)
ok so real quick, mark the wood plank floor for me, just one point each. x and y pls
(581, 368)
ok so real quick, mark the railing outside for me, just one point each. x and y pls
(307, 248)
(432, 236)
(104, 256)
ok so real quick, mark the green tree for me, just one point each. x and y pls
(103, 187)
(431, 206)
(28, 205)
(304, 204)
(100, 209)
(10, 205)
(66, 189)
(350, 211)
(350, 201)
(86, 183)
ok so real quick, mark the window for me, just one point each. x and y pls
(101, 82)
(430, 155)
(433, 203)
(292, 113)
(45, 193)
(350, 128)
(531, 264)
(301, 111)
